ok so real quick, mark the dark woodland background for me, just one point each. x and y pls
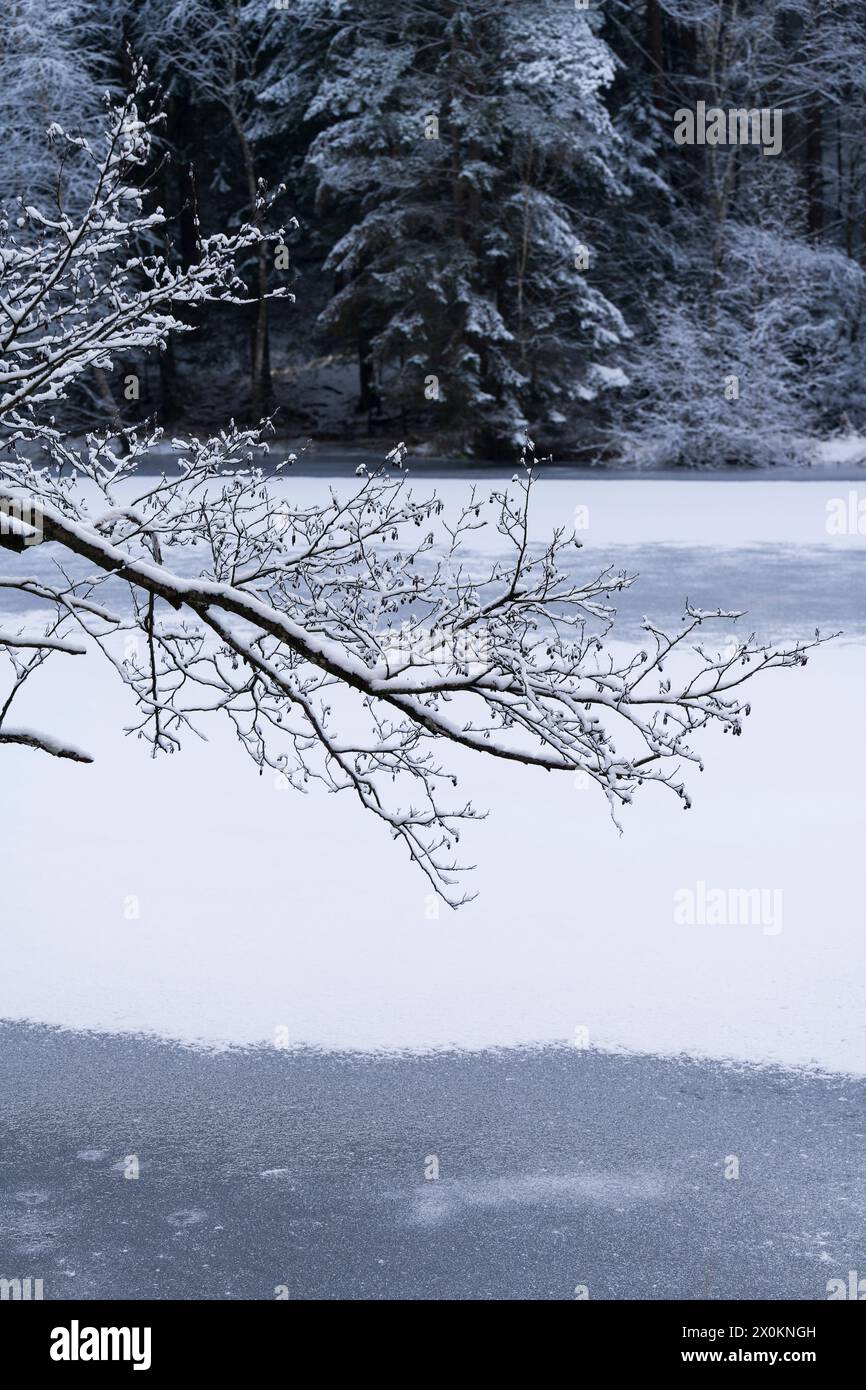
(495, 229)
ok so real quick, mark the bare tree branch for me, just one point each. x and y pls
(349, 643)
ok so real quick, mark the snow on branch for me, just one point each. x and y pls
(78, 290)
(350, 643)
(46, 743)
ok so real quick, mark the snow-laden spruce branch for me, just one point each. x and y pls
(350, 643)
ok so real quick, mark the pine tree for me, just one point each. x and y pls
(457, 142)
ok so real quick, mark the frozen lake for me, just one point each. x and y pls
(262, 915)
(305, 1172)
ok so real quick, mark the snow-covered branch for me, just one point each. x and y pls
(351, 642)
(76, 291)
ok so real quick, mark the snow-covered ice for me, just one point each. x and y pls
(191, 898)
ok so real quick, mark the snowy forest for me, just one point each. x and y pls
(432, 444)
(488, 225)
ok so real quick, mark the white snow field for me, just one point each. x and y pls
(190, 898)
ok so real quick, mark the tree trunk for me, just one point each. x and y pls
(168, 393)
(261, 387)
(814, 167)
(655, 48)
(186, 190)
(168, 410)
(260, 378)
(367, 399)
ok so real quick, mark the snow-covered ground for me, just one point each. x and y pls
(844, 449)
(191, 898)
